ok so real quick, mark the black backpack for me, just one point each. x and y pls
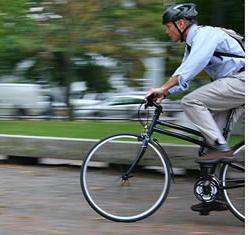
(240, 39)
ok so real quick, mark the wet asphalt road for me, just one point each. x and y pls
(46, 200)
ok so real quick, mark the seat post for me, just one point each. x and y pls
(227, 128)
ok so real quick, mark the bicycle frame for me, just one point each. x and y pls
(157, 126)
(154, 127)
(201, 142)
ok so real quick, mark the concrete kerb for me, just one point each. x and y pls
(55, 150)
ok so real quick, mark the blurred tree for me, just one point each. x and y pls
(16, 34)
(53, 33)
(223, 13)
(69, 29)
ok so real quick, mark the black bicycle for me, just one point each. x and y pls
(126, 177)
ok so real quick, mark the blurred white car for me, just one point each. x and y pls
(89, 99)
(114, 106)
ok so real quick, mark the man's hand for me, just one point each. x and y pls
(156, 95)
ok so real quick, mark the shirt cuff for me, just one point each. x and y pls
(182, 83)
(174, 90)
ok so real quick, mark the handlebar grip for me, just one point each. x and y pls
(153, 96)
(150, 99)
(151, 103)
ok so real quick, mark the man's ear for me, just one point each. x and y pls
(182, 24)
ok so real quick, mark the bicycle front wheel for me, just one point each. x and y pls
(233, 182)
(103, 184)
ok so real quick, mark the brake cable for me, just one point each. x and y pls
(143, 124)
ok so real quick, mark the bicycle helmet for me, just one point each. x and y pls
(181, 11)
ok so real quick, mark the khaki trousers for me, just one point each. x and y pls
(208, 106)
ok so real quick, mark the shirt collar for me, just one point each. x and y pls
(191, 34)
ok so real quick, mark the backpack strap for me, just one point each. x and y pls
(188, 48)
(219, 54)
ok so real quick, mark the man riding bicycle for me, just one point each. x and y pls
(223, 59)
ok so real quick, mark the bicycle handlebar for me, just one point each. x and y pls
(149, 101)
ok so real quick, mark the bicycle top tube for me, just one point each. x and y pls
(196, 136)
(157, 125)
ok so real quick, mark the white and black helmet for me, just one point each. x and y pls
(181, 11)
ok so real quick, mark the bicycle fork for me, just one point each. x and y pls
(145, 140)
(138, 157)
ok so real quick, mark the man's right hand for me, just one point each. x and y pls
(156, 95)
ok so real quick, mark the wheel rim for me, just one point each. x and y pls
(227, 193)
(114, 216)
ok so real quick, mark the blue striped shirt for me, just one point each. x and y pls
(204, 41)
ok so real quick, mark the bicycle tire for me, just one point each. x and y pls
(103, 188)
(233, 183)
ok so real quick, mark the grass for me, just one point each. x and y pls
(75, 129)
(81, 129)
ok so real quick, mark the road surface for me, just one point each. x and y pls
(47, 200)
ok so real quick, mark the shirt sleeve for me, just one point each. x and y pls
(203, 46)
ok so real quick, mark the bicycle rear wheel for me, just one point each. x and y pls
(233, 182)
(125, 200)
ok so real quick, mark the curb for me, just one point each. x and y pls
(56, 150)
